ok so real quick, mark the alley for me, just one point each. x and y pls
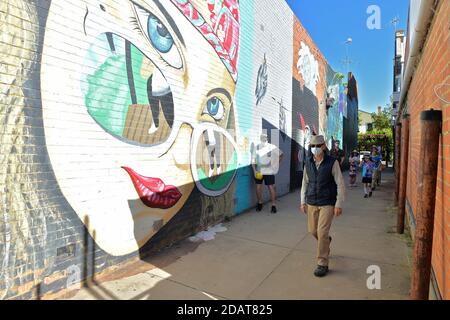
(267, 256)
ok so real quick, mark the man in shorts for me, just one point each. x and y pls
(265, 166)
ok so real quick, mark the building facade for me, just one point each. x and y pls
(425, 86)
(399, 62)
(126, 128)
(365, 121)
(351, 119)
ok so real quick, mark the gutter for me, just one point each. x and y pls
(420, 33)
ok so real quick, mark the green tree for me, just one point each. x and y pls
(382, 120)
(381, 133)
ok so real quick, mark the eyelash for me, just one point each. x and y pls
(136, 26)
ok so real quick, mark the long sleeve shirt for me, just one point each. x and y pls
(337, 174)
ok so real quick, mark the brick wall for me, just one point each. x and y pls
(428, 91)
(351, 122)
(124, 130)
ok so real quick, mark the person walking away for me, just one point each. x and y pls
(322, 197)
(338, 153)
(376, 158)
(265, 166)
(367, 172)
(353, 169)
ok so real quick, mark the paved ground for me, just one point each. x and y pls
(265, 256)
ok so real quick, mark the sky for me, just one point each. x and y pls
(331, 22)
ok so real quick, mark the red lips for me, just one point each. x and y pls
(153, 192)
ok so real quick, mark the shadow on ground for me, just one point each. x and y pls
(267, 256)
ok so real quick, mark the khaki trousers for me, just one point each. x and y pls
(319, 224)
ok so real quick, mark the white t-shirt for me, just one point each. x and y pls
(267, 158)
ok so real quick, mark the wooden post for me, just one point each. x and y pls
(431, 122)
(403, 174)
(398, 135)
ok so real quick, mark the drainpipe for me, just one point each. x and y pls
(420, 31)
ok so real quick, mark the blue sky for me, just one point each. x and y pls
(331, 22)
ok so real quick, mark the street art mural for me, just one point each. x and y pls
(128, 135)
(350, 130)
(308, 99)
(138, 94)
(308, 67)
(282, 119)
(245, 100)
(128, 125)
(336, 104)
(261, 81)
(273, 112)
(263, 105)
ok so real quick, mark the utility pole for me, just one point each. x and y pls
(347, 62)
(431, 129)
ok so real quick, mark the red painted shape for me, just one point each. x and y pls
(153, 192)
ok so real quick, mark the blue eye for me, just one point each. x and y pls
(159, 35)
(214, 107)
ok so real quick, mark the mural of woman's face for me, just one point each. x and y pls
(307, 137)
(143, 120)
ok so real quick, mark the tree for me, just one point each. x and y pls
(382, 120)
(381, 133)
(377, 138)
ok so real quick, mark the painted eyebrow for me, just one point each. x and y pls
(222, 91)
(170, 21)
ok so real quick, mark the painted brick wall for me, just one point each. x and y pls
(127, 126)
(350, 130)
(428, 91)
(314, 84)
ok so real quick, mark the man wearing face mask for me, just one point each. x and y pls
(265, 165)
(322, 196)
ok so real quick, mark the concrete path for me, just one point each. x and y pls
(266, 256)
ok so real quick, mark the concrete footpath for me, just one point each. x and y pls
(271, 256)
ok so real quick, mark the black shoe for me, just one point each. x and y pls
(274, 209)
(259, 207)
(321, 271)
(370, 194)
(366, 196)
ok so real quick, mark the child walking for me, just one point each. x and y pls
(367, 171)
(352, 172)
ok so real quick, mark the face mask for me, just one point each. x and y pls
(316, 151)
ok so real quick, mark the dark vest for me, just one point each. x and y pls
(322, 189)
